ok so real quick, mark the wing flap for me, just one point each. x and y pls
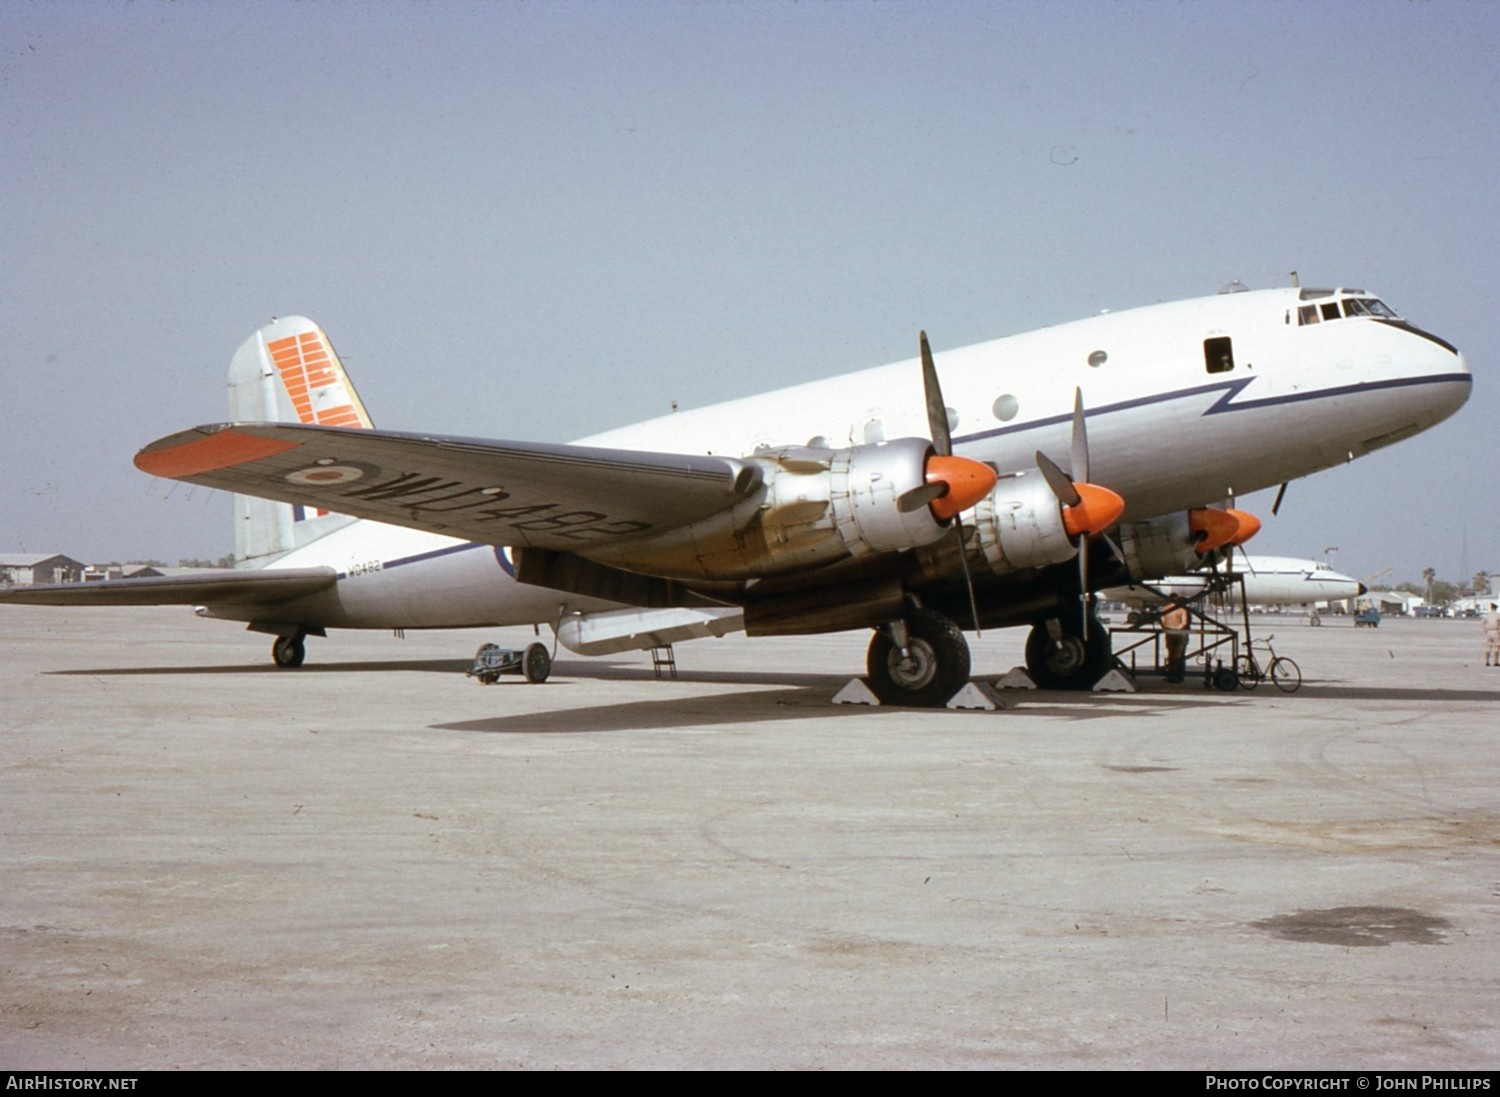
(211, 588)
(496, 492)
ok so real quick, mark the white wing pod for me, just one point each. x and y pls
(1020, 526)
(1159, 547)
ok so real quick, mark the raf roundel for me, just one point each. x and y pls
(326, 475)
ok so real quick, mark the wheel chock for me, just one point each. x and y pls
(978, 695)
(855, 693)
(1016, 678)
(1116, 681)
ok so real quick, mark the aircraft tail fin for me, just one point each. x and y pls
(288, 372)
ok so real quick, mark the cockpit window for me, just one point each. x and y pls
(1346, 305)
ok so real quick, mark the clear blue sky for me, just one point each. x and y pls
(542, 220)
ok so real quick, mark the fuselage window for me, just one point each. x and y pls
(1218, 355)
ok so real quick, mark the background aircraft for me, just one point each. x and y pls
(908, 499)
(1269, 581)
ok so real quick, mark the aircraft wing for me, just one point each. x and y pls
(497, 492)
(217, 588)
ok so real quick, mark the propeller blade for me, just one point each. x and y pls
(1079, 443)
(919, 497)
(937, 411)
(963, 559)
(1083, 581)
(1117, 552)
(1058, 480)
(954, 484)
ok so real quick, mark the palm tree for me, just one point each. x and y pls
(1428, 575)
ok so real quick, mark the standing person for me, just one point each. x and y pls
(1175, 622)
(1492, 636)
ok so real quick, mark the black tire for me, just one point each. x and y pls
(1071, 662)
(1226, 679)
(288, 652)
(936, 666)
(1285, 674)
(536, 664)
(1248, 670)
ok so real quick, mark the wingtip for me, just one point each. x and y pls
(205, 449)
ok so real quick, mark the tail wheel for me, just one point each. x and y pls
(934, 667)
(289, 651)
(536, 664)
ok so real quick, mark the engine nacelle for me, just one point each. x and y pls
(1021, 526)
(1159, 547)
(811, 507)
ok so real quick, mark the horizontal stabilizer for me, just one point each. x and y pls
(216, 588)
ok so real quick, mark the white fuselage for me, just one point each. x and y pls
(1173, 422)
(1269, 581)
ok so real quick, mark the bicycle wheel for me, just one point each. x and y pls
(1249, 671)
(1285, 674)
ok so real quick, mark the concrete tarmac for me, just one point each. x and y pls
(376, 862)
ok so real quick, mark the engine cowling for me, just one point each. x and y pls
(813, 507)
(1159, 546)
(1022, 526)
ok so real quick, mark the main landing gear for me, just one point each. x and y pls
(919, 661)
(1059, 656)
(289, 651)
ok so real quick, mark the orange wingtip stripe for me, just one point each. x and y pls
(209, 453)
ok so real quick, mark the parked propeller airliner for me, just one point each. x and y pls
(1268, 581)
(913, 500)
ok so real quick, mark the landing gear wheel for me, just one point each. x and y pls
(288, 651)
(1070, 661)
(536, 664)
(934, 668)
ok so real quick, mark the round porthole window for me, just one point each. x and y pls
(1006, 408)
(1098, 358)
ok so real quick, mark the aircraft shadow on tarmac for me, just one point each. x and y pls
(807, 697)
(444, 666)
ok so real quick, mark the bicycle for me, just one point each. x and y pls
(1285, 675)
